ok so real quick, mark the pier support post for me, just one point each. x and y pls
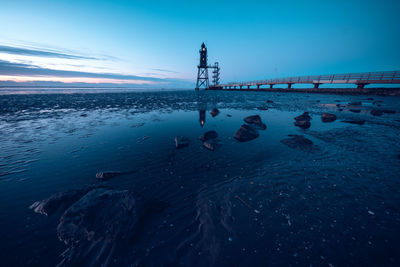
(248, 86)
(271, 86)
(361, 85)
(289, 85)
(258, 86)
(240, 87)
(316, 85)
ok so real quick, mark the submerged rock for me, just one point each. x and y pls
(101, 214)
(229, 115)
(214, 112)
(255, 120)
(303, 124)
(359, 122)
(298, 142)
(327, 117)
(210, 144)
(376, 112)
(59, 200)
(270, 101)
(388, 111)
(246, 133)
(355, 110)
(262, 108)
(208, 135)
(370, 98)
(107, 175)
(356, 103)
(181, 141)
(303, 117)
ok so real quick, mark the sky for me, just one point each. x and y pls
(156, 43)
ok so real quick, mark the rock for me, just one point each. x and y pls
(327, 117)
(359, 122)
(303, 117)
(303, 124)
(376, 112)
(370, 98)
(355, 110)
(388, 111)
(181, 141)
(107, 175)
(210, 144)
(246, 133)
(356, 103)
(214, 112)
(340, 109)
(262, 108)
(229, 115)
(57, 201)
(255, 120)
(270, 101)
(298, 142)
(208, 135)
(99, 215)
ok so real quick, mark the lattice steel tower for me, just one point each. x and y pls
(202, 73)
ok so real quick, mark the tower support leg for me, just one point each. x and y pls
(289, 85)
(271, 86)
(316, 85)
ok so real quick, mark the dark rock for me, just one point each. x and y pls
(214, 112)
(255, 120)
(270, 101)
(100, 215)
(208, 135)
(303, 124)
(359, 122)
(388, 111)
(229, 115)
(181, 141)
(262, 108)
(340, 109)
(298, 142)
(107, 175)
(370, 98)
(355, 110)
(57, 201)
(376, 112)
(327, 117)
(356, 103)
(246, 133)
(303, 117)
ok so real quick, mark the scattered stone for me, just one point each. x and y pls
(60, 200)
(229, 115)
(359, 122)
(356, 103)
(181, 141)
(246, 133)
(376, 112)
(303, 124)
(210, 144)
(214, 112)
(327, 117)
(262, 108)
(208, 135)
(340, 109)
(107, 175)
(270, 101)
(303, 117)
(355, 110)
(370, 98)
(298, 142)
(255, 120)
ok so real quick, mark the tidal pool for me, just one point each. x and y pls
(256, 203)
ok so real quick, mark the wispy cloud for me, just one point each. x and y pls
(164, 70)
(42, 53)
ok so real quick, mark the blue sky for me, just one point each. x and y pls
(156, 43)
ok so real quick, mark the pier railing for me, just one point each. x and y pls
(360, 79)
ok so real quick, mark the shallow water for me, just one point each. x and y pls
(255, 203)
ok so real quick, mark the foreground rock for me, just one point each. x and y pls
(327, 117)
(107, 175)
(181, 141)
(356, 103)
(246, 133)
(208, 135)
(298, 142)
(359, 122)
(255, 120)
(214, 112)
(57, 201)
(210, 144)
(388, 111)
(303, 124)
(355, 110)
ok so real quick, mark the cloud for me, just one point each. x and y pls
(41, 53)
(164, 70)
